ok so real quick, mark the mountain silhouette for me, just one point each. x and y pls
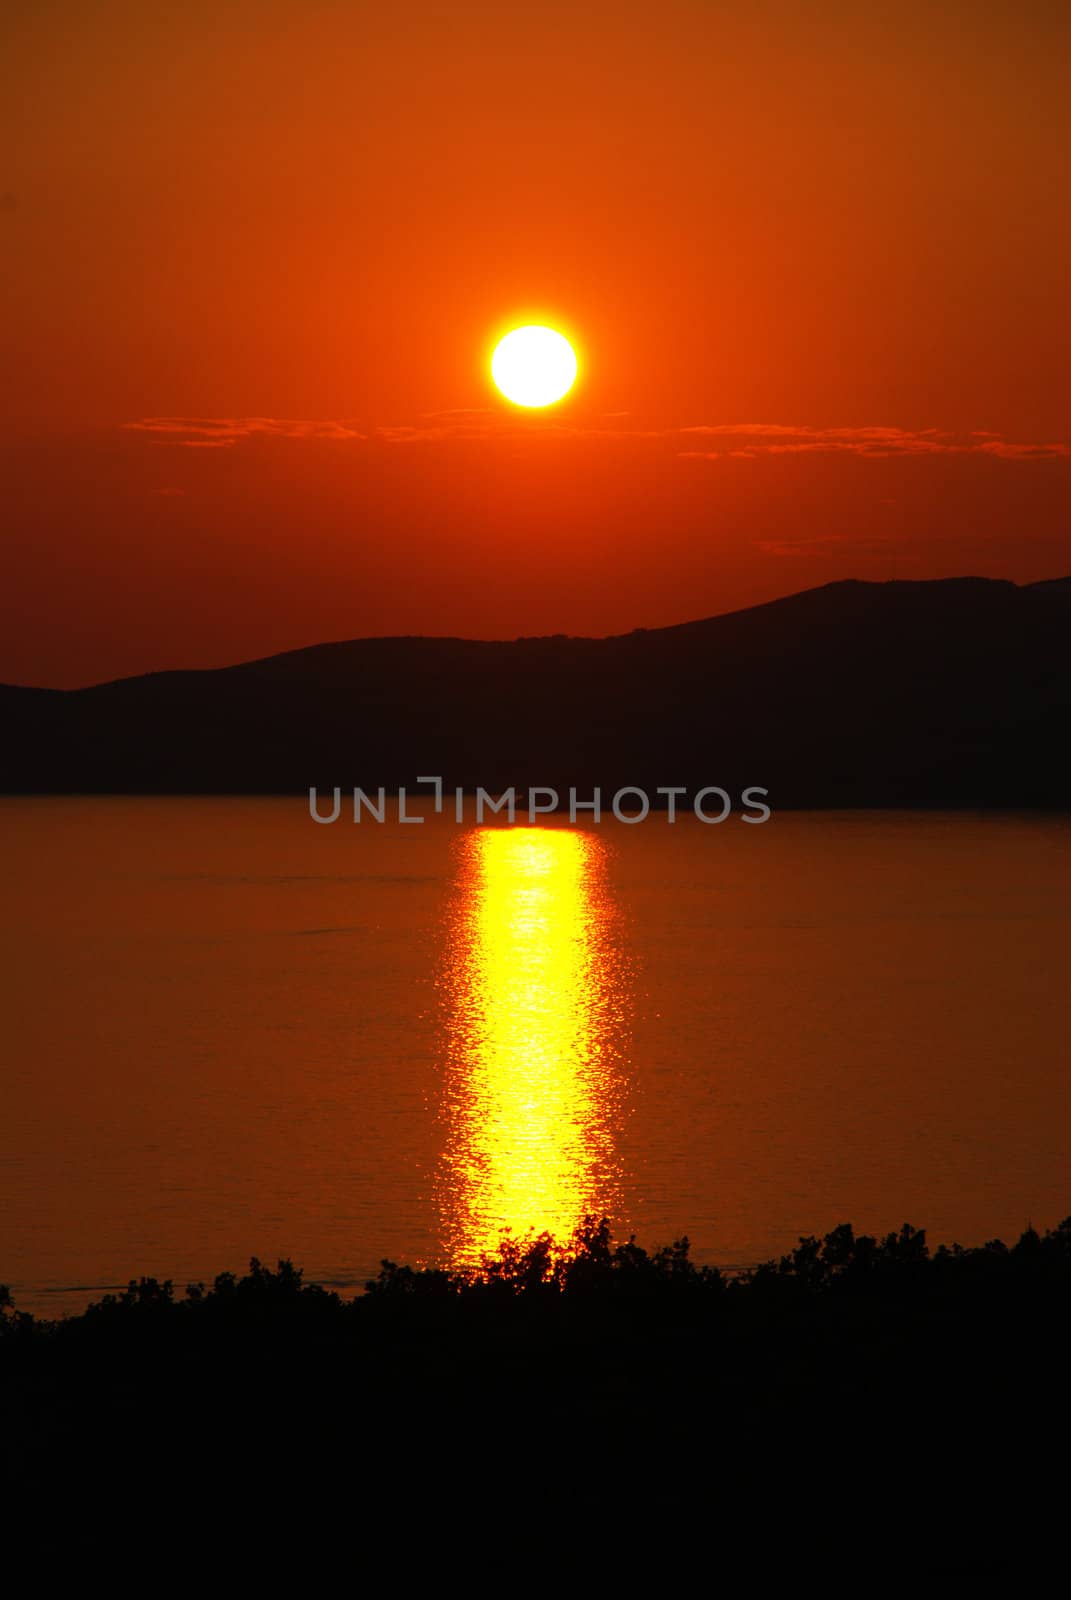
(953, 692)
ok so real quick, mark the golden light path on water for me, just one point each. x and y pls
(536, 996)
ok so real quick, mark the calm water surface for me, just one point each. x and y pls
(228, 1032)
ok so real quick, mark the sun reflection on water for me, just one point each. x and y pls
(536, 997)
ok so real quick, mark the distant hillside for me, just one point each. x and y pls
(948, 693)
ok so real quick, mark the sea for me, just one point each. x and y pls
(230, 1031)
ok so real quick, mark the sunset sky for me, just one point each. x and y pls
(814, 259)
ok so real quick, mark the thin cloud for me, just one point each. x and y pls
(222, 433)
(703, 441)
(460, 411)
(427, 433)
(1010, 451)
(477, 425)
(754, 439)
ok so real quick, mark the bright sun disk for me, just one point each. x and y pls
(534, 366)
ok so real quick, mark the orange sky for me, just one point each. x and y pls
(815, 259)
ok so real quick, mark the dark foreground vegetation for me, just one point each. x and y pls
(859, 1400)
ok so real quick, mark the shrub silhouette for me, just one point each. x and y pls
(857, 1383)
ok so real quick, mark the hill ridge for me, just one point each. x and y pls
(936, 692)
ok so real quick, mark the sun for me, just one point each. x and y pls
(534, 366)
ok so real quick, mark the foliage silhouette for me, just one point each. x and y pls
(855, 1373)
